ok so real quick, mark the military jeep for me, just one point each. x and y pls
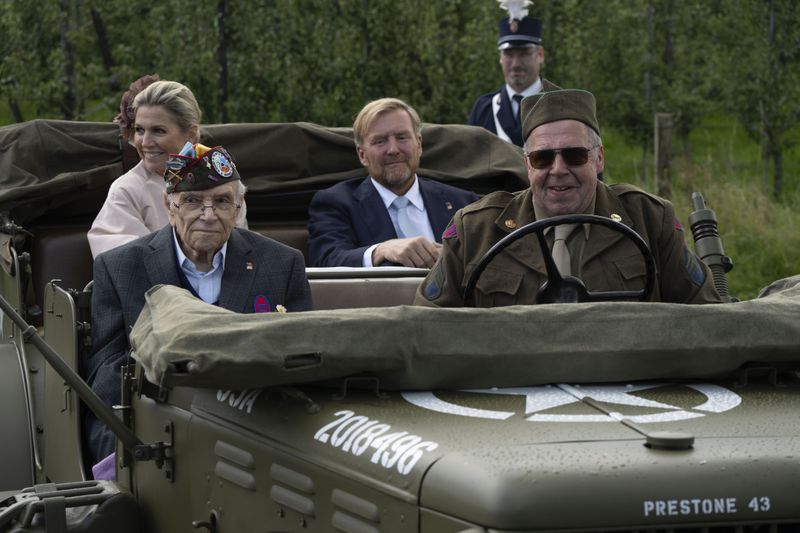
(369, 414)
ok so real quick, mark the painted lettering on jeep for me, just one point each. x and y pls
(242, 400)
(702, 506)
(357, 434)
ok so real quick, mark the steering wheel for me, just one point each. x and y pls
(567, 289)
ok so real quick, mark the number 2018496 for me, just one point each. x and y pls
(357, 434)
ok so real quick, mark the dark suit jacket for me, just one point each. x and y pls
(254, 265)
(481, 113)
(346, 219)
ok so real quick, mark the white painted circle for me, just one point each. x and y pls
(550, 397)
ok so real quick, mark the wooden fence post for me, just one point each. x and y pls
(662, 156)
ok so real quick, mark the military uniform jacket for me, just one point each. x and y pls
(609, 262)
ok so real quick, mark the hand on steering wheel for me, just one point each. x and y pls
(567, 289)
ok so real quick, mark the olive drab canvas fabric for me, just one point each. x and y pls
(36, 179)
(424, 348)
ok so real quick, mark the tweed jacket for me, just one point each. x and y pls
(255, 267)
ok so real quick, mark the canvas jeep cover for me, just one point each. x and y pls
(179, 340)
(61, 170)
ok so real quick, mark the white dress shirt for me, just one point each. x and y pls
(207, 285)
(533, 89)
(416, 212)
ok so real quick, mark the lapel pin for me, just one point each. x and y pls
(449, 206)
(511, 223)
(248, 266)
(261, 304)
(616, 218)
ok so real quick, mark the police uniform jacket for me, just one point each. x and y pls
(609, 261)
(482, 113)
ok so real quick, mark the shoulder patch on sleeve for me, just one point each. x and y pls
(450, 232)
(678, 225)
(693, 268)
(434, 282)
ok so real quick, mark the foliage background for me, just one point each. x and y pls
(727, 70)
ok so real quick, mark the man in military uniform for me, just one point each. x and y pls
(564, 154)
(521, 57)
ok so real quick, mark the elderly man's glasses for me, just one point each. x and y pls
(193, 205)
(574, 156)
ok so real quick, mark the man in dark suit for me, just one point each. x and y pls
(199, 250)
(521, 57)
(393, 217)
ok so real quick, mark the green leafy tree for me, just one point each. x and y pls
(688, 81)
(30, 65)
(760, 51)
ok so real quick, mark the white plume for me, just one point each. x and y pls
(517, 9)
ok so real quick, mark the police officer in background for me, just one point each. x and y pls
(521, 57)
(564, 154)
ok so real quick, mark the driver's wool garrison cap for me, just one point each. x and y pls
(552, 106)
(198, 167)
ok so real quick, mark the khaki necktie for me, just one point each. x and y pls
(560, 251)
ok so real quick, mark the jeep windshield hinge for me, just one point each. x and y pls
(152, 452)
(159, 452)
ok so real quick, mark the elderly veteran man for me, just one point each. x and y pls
(199, 250)
(564, 154)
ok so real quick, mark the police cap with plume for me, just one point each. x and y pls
(518, 30)
(552, 106)
(198, 167)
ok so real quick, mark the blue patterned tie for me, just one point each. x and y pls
(405, 227)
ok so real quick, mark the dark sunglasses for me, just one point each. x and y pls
(574, 156)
